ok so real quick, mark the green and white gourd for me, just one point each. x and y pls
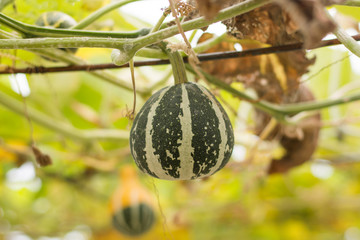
(181, 133)
(134, 220)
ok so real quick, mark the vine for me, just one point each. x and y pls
(114, 40)
(129, 43)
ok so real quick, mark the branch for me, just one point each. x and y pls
(345, 38)
(128, 46)
(202, 57)
(278, 111)
(347, 41)
(64, 42)
(290, 109)
(60, 127)
(36, 31)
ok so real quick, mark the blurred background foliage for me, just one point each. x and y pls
(70, 199)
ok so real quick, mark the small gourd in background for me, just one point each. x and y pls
(131, 205)
(55, 19)
(182, 132)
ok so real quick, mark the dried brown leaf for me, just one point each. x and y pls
(268, 24)
(310, 17)
(258, 72)
(209, 8)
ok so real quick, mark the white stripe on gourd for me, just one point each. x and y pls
(186, 167)
(222, 128)
(153, 160)
(133, 139)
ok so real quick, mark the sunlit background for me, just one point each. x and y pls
(71, 199)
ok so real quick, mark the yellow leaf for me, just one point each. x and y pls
(6, 156)
(295, 230)
(279, 71)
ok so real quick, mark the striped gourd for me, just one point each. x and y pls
(55, 19)
(131, 205)
(181, 133)
(134, 220)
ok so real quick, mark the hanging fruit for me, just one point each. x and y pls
(182, 132)
(131, 205)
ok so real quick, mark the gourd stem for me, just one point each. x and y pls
(178, 67)
(177, 64)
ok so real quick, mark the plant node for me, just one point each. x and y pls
(121, 57)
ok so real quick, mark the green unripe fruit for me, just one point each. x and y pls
(181, 133)
(134, 220)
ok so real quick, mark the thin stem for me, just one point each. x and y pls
(177, 64)
(11, 23)
(101, 12)
(192, 35)
(7, 35)
(39, 117)
(60, 127)
(123, 55)
(37, 31)
(159, 22)
(310, 106)
(346, 39)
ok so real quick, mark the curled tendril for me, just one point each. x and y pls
(120, 57)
